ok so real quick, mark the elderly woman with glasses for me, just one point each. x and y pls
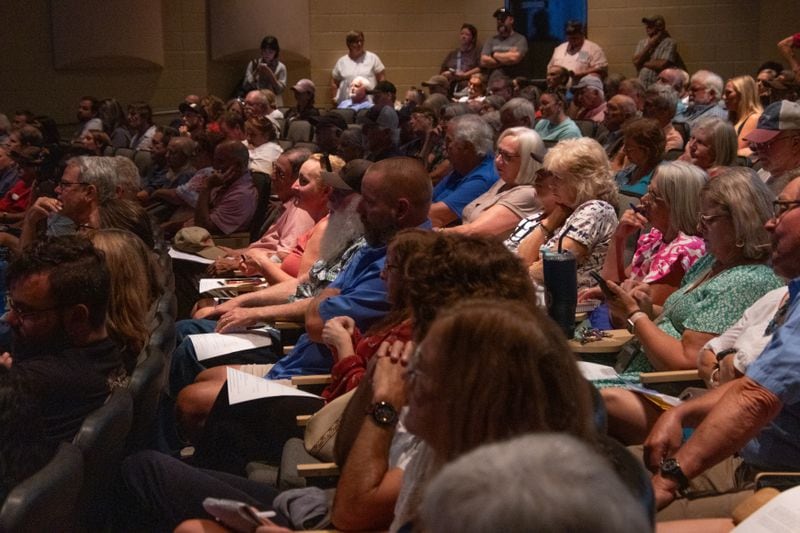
(665, 253)
(715, 291)
(519, 155)
(584, 218)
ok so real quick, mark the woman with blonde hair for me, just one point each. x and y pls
(584, 218)
(127, 258)
(744, 108)
(518, 157)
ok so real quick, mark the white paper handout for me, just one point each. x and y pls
(243, 387)
(210, 345)
(780, 514)
(177, 254)
(595, 371)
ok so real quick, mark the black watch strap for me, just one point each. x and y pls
(670, 468)
(383, 413)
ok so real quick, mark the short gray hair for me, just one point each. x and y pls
(101, 172)
(128, 180)
(540, 481)
(520, 108)
(749, 201)
(680, 182)
(473, 130)
(711, 81)
(664, 97)
(723, 139)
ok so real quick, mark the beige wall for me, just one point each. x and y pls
(411, 36)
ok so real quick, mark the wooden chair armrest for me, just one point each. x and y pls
(317, 470)
(302, 420)
(669, 376)
(234, 240)
(311, 379)
(286, 324)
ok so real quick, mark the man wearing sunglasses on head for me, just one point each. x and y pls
(776, 144)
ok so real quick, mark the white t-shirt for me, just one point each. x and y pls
(369, 65)
(262, 157)
(590, 56)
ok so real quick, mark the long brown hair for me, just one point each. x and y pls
(503, 369)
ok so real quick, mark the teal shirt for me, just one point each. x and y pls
(549, 132)
(712, 307)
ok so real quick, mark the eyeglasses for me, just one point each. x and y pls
(64, 184)
(23, 315)
(779, 207)
(706, 220)
(760, 147)
(654, 196)
(505, 156)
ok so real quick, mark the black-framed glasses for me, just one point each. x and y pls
(779, 207)
(24, 315)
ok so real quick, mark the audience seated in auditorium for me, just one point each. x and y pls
(584, 218)
(95, 142)
(193, 119)
(468, 142)
(664, 253)
(59, 294)
(621, 109)
(262, 134)
(328, 131)
(381, 127)
(304, 92)
(712, 145)
(744, 109)
(140, 121)
(437, 85)
(779, 159)
(519, 156)
(517, 112)
(590, 99)
(555, 125)
(87, 118)
(705, 91)
(231, 125)
(634, 89)
(642, 151)
(715, 291)
(358, 98)
(660, 103)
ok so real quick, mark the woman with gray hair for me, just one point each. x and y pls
(664, 254)
(712, 146)
(584, 218)
(715, 291)
(519, 156)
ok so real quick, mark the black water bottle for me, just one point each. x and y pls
(560, 281)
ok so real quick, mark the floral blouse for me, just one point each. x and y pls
(592, 224)
(654, 259)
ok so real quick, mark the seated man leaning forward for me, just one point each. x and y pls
(59, 291)
(395, 194)
(469, 148)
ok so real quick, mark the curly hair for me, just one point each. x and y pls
(516, 375)
(454, 267)
(584, 165)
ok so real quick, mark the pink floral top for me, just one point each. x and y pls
(654, 259)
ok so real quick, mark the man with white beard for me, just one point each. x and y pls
(287, 300)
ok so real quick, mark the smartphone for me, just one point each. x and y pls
(602, 284)
(236, 515)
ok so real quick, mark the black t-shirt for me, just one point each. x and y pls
(72, 383)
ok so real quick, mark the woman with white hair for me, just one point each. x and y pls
(584, 218)
(518, 157)
(712, 146)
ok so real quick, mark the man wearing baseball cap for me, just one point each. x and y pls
(384, 93)
(507, 49)
(776, 143)
(656, 52)
(304, 91)
(590, 98)
(437, 85)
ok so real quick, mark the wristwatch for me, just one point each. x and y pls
(383, 413)
(670, 468)
(633, 318)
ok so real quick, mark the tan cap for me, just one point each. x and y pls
(198, 241)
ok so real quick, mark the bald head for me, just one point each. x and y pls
(621, 108)
(672, 77)
(395, 194)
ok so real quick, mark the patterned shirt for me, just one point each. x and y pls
(322, 272)
(654, 259)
